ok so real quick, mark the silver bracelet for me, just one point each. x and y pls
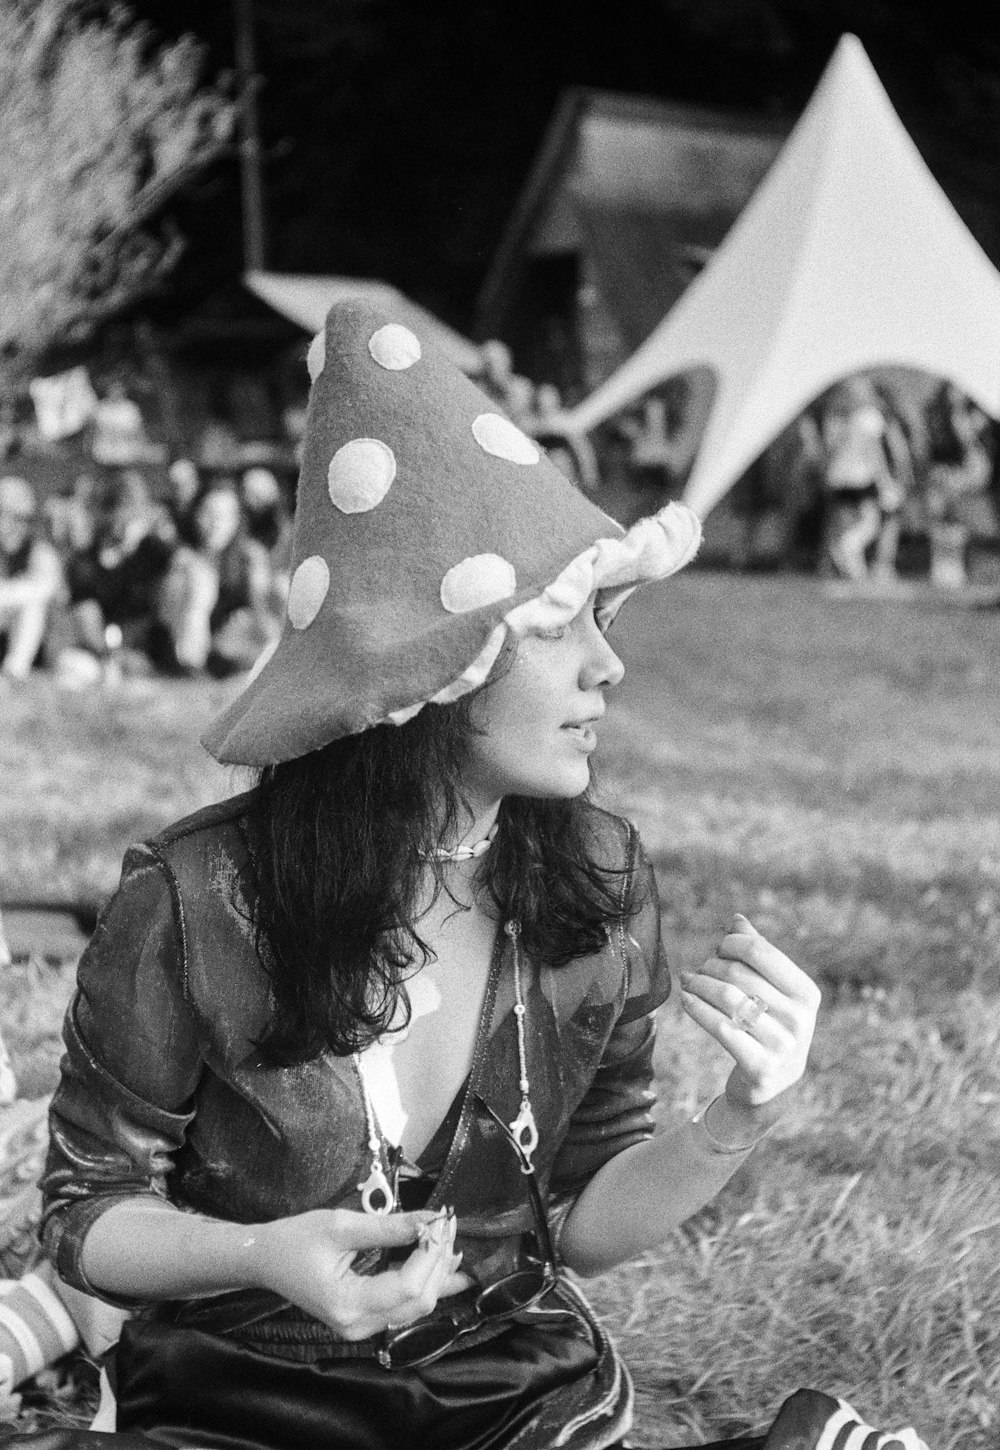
(724, 1150)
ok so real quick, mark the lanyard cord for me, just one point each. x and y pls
(376, 1191)
(523, 1127)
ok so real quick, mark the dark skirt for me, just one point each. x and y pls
(551, 1376)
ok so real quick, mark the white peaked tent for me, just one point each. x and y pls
(848, 256)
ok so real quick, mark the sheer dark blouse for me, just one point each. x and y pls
(164, 1093)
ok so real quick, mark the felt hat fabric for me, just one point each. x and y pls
(428, 528)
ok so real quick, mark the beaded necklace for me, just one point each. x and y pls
(377, 1196)
(463, 852)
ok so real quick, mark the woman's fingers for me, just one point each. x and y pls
(400, 1296)
(758, 1005)
(743, 1008)
(745, 1047)
(745, 944)
(376, 1230)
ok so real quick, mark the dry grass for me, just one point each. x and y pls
(831, 768)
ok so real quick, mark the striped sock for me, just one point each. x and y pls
(35, 1330)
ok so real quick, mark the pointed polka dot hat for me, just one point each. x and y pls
(428, 529)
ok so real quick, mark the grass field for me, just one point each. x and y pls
(830, 767)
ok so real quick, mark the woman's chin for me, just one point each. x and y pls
(562, 784)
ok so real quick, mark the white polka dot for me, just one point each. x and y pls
(481, 579)
(360, 475)
(499, 436)
(316, 356)
(308, 589)
(394, 347)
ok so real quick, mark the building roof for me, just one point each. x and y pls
(630, 176)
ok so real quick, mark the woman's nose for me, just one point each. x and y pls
(603, 667)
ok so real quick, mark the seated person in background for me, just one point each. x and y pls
(119, 438)
(183, 487)
(293, 426)
(957, 482)
(115, 584)
(218, 599)
(519, 401)
(497, 368)
(512, 391)
(861, 455)
(71, 517)
(218, 445)
(663, 432)
(268, 522)
(572, 454)
(31, 579)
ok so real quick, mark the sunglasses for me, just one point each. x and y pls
(419, 1344)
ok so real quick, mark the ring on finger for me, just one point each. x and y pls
(748, 1013)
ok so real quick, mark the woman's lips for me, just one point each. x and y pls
(582, 734)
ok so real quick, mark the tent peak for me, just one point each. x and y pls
(848, 256)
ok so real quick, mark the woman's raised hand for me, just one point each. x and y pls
(760, 1006)
(308, 1259)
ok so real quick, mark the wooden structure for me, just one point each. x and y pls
(627, 198)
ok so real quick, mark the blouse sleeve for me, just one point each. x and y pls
(131, 1066)
(616, 1111)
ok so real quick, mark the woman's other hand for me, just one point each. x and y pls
(760, 1007)
(308, 1259)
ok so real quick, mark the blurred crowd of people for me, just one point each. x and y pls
(883, 469)
(112, 577)
(143, 567)
(870, 466)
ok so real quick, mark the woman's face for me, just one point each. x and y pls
(539, 719)
(15, 527)
(217, 519)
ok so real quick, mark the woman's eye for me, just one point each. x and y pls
(557, 631)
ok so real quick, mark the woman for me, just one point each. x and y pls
(116, 580)
(360, 1059)
(958, 498)
(218, 600)
(31, 581)
(865, 460)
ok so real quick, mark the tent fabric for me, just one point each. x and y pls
(849, 256)
(306, 300)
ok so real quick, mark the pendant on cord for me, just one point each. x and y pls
(376, 1191)
(525, 1130)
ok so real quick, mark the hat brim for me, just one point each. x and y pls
(612, 568)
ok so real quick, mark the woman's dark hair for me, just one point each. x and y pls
(339, 840)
